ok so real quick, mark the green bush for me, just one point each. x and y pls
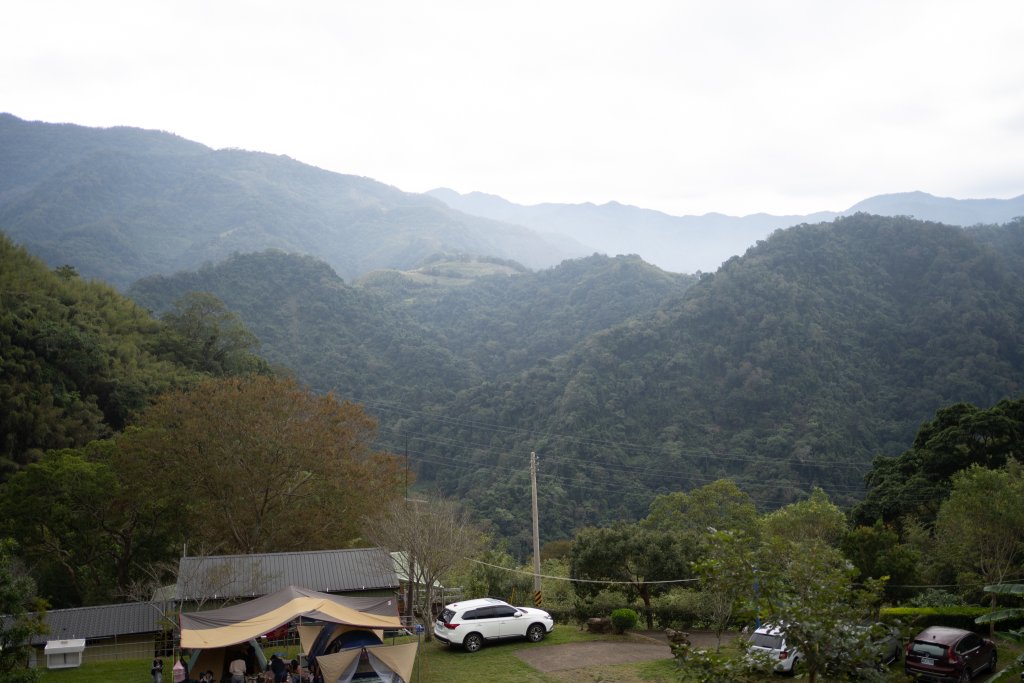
(623, 619)
(918, 618)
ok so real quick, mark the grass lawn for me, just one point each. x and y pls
(440, 664)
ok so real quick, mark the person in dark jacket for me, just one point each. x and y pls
(279, 668)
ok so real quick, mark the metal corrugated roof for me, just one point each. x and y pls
(101, 621)
(327, 571)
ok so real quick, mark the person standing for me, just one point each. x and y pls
(157, 670)
(237, 669)
(178, 672)
(279, 668)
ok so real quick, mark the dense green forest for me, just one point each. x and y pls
(793, 366)
(76, 359)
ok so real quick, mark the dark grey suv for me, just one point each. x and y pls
(942, 653)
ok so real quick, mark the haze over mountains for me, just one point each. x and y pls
(795, 357)
(123, 203)
(687, 244)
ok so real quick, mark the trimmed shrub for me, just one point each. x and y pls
(922, 617)
(624, 619)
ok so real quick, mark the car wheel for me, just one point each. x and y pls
(965, 675)
(792, 669)
(472, 642)
(991, 667)
(535, 633)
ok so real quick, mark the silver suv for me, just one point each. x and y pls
(471, 622)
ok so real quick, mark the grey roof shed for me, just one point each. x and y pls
(102, 621)
(222, 577)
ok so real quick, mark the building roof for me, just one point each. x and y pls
(102, 621)
(219, 577)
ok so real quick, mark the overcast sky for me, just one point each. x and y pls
(786, 107)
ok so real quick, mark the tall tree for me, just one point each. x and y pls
(433, 538)
(87, 534)
(641, 562)
(815, 518)
(980, 527)
(204, 335)
(960, 435)
(810, 588)
(23, 618)
(720, 506)
(260, 464)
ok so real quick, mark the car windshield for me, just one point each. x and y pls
(928, 649)
(767, 641)
(446, 616)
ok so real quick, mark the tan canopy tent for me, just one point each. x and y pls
(241, 623)
(385, 660)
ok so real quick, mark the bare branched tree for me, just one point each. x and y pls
(434, 536)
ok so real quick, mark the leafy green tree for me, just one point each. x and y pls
(718, 506)
(980, 527)
(644, 561)
(88, 534)
(813, 597)
(727, 576)
(876, 552)
(23, 617)
(813, 519)
(204, 335)
(918, 481)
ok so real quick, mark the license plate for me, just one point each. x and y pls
(927, 661)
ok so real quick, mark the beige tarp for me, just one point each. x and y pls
(339, 665)
(342, 665)
(241, 623)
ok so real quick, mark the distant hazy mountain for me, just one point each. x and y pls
(926, 207)
(691, 243)
(123, 203)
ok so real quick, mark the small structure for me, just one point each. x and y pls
(64, 654)
(136, 630)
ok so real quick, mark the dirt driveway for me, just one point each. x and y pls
(635, 647)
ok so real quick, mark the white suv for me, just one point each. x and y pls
(771, 641)
(471, 622)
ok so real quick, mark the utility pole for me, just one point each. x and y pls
(536, 531)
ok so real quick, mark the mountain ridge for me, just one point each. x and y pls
(123, 203)
(691, 243)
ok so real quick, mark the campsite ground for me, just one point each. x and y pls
(567, 655)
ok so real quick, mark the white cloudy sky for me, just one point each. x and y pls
(736, 106)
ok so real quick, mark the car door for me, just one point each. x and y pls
(967, 650)
(510, 625)
(485, 623)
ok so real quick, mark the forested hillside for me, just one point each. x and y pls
(416, 339)
(123, 203)
(76, 359)
(791, 367)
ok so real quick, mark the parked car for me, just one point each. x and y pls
(942, 653)
(471, 622)
(888, 645)
(770, 640)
